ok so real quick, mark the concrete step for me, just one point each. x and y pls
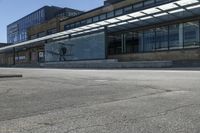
(109, 64)
(193, 63)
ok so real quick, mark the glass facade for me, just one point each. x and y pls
(162, 38)
(17, 32)
(117, 12)
(176, 36)
(191, 34)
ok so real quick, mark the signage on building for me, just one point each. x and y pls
(41, 54)
(20, 58)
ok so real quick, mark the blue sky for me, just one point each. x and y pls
(12, 10)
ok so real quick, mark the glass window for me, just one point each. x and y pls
(51, 31)
(148, 2)
(110, 14)
(131, 42)
(83, 22)
(118, 12)
(162, 38)
(161, 1)
(95, 19)
(41, 34)
(89, 21)
(115, 44)
(140, 41)
(102, 17)
(72, 25)
(128, 9)
(67, 27)
(77, 24)
(138, 6)
(175, 36)
(191, 34)
(33, 36)
(149, 40)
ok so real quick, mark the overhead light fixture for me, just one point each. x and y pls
(167, 6)
(134, 20)
(193, 7)
(85, 27)
(151, 11)
(125, 17)
(102, 23)
(137, 14)
(113, 25)
(113, 20)
(160, 14)
(93, 25)
(122, 23)
(148, 17)
(186, 2)
(178, 10)
(77, 29)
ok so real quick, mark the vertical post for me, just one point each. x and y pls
(14, 56)
(70, 36)
(106, 41)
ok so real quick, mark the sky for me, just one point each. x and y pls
(12, 10)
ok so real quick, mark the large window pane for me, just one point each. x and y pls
(140, 41)
(176, 36)
(138, 6)
(118, 12)
(148, 2)
(110, 14)
(115, 44)
(191, 34)
(162, 38)
(128, 9)
(131, 42)
(149, 40)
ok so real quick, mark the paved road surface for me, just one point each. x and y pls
(100, 101)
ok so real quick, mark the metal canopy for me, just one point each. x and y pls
(158, 12)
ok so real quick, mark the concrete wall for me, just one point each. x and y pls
(88, 47)
(51, 24)
(6, 59)
(175, 55)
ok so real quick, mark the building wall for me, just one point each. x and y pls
(95, 12)
(88, 47)
(176, 55)
(17, 31)
(68, 12)
(29, 55)
(6, 59)
(51, 25)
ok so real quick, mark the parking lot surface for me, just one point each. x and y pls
(100, 101)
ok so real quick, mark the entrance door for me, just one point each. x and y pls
(131, 42)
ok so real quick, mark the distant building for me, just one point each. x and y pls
(53, 25)
(68, 12)
(17, 31)
(3, 44)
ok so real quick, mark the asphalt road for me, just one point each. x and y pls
(100, 101)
